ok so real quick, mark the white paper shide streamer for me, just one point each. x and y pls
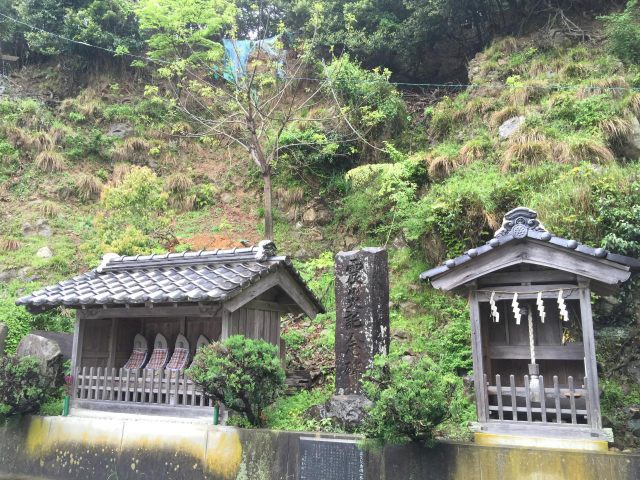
(562, 307)
(516, 308)
(540, 305)
(494, 309)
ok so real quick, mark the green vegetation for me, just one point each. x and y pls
(243, 374)
(23, 386)
(410, 399)
(420, 170)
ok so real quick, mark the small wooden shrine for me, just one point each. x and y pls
(140, 320)
(534, 355)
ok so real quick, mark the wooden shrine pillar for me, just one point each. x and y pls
(477, 353)
(590, 365)
(76, 351)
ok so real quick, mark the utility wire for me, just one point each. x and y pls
(316, 79)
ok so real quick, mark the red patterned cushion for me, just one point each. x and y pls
(158, 359)
(178, 359)
(136, 360)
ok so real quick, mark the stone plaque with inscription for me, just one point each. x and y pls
(362, 314)
(330, 459)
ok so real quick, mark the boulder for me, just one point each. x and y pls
(511, 126)
(44, 252)
(43, 229)
(4, 331)
(120, 130)
(63, 339)
(317, 215)
(46, 351)
(227, 197)
(345, 411)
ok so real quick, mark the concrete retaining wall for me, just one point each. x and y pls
(119, 449)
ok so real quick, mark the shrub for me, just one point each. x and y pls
(410, 399)
(89, 186)
(244, 374)
(623, 33)
(134, 216)
(23, 385)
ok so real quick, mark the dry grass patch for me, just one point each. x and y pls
(89, 186)
(499, 117)
(120, 171)
(528, 149)
(582, 149)
(178, 183)
(9, 245)
(49, 209)
(289, 197)
(133, 149)
(616, 128)
(615, 86)
(50, 161)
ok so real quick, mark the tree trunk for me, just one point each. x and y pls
(266, 198)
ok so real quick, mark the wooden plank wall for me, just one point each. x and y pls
(254, 323)
(95, 345)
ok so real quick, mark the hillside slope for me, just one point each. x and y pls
(569, 149)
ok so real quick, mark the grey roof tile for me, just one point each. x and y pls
(204, 276)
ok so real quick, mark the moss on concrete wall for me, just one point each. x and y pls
(90, 448)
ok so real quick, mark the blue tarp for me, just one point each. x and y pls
(237, 52)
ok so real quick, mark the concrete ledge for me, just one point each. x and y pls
(123, 447)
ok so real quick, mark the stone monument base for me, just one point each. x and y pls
(346, 411)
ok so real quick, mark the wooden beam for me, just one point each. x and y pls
(528, 292)
(140, 312)
(271, 306)
(570, 351)
(478, 363)
(591, 367)
(534, 276)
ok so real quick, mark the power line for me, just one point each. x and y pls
(455, 86)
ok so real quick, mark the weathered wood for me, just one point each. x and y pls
(478, 363)
(226, 325)
(591, 368)
(120, 375)
(499, 391)
(572, 400)
(90, 389)
(113, 342)
(536, 253)
(570, 351)
(530, 292)
(556, 396)
(195, 310)
(270, 306)
(76, 353)
(514, 400)
(543, 400)
(527, 398)
(534, 276)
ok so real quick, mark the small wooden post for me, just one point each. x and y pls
(514, 399)
(499, 392)
(543, 401)
(556, 395)
(572, 400)
(527, 398)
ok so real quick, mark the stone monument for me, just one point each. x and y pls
(362, 314)
(362, 329)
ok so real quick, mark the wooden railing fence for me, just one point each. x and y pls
(559, 405)
(157, 387)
